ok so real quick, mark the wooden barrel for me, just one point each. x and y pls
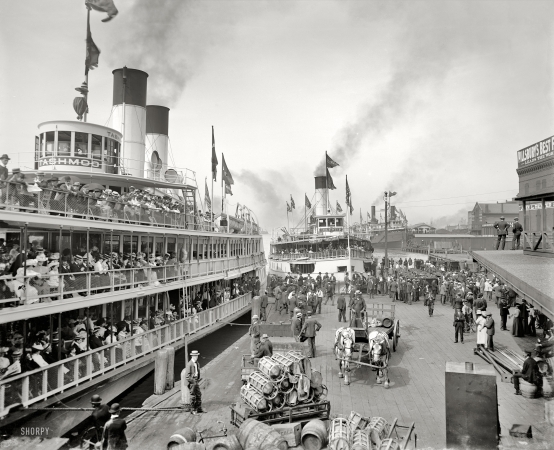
(271, 368)
(378, 429)
(224, 443)
(528, 390)
(263, 384)
(188, 446)
(314, 435)
(254, 399)
(389, 444)
(548, 387)
(260, 436)
(183, 435)
(339, 434)
(361, 440)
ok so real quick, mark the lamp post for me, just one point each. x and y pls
(388, 195)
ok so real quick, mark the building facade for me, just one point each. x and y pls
(483, 216)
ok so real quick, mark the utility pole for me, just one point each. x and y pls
(388, 195)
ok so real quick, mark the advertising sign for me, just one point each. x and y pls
(69, 161)
(536, 152)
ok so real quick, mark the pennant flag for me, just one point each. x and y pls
(349, 197)
(330, 184)
(288, 207)
(106, 6)
(225, 173)
(339, 209)
(307, 202)
(207, 198)
(292, 203)
(361, 220)
(237, 211)
(329, 162)
(93, 53)
(214, 158)
(368, 217)
(228, 189)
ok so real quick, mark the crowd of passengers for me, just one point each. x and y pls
(326, 250)
(42, 346)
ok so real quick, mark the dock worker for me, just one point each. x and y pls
(192, 375)
(489, 325)
(459, 321)
(101, 413)
(114, 430)
(517, 229)
(502, 230)
(254, 333)
(278, 294)
(359, 307)
(529, 372)
(310, 329)
(296, 325)
(292, 303)
(265, 348)
(333, 282)
(257, 286)
(330, 292)
(341, 305)
(263, 305)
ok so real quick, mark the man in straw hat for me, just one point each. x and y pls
(192, 375)
(114, 430)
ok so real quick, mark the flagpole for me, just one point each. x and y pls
(86, 71)
(211, 212)
(348, 208)
(326, 187)
(288, 223)
(305, 225)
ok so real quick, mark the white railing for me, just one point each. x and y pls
(326, 254)
(40, 384)
(44, 288)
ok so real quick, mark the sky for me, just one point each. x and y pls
(430, 99)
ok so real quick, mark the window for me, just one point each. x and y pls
(97, 147)
(331, 222)
(543, 183)
(81, 145)
(49, 141)
(111, 155)
(339, 222)
(526, 188)
(64, 143)
(302, 268)
(322, 223)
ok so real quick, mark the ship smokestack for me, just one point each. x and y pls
(373, 218)
(321, 196)
(157, 141)
(129, 117)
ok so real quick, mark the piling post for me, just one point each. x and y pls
(160, 371)
(170, 376)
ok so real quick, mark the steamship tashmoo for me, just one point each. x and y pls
(324, 242)
(107, 197)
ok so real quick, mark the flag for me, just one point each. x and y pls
(106, 6)
(349, 197)
(330, 184)
(361, 220)
(214, 158)
(368, 217)
(329, 162)
(307, 202)
(228, 189)
(339, 209)
(288, 207)
(207, 198)
(93, 52)
(292, 203)
(225, 173)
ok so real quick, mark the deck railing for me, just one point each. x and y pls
(18, 197)
(40, 384)
(53, 286)
(538, 242)
(326, 254)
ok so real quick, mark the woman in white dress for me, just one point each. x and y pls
(481, 330)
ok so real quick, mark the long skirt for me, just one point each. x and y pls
(517, 327)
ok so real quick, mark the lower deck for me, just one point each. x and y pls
(416, 393)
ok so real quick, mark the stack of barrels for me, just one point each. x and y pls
(282, 380)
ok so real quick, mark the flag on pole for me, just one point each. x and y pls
(214, 158)
(93, 52)
(339, 209)
(349, 197)
(292, 206)
(228, 189)
(288, 207)
(307, 202)
(368, 217)
(329, 162)
(207, 198)
(330, 184)
(225, 173)
(106, 6)
(361, 220)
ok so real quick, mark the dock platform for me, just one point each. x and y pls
(532, 277)
(416, 393)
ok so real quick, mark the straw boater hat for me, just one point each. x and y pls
(37, 347)
(479, 312)
(195, 353)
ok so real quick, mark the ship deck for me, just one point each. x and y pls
(416, 393)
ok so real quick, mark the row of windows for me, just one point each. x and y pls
(77, 144)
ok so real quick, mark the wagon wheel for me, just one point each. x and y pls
(396, 335)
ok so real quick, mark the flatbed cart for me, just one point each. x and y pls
(248, 366)
(384, 315)
(303, 411)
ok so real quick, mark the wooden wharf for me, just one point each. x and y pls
(416, 393)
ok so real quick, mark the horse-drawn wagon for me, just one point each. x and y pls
(371, 334)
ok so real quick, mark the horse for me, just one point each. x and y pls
(344, 339)
(379, 355)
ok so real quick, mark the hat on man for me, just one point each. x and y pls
(502, 217)
(76, 183)
(115, 408)
(488, 313)
(479, 311)
(516, 218)
(4, 156)
(255, 316)
(39, 347)
(298, 314)
(54, 256)
(96, 399)
(265, 336)
(195, 353)
(16, 170)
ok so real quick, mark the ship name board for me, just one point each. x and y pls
(331, 228)
(69, 161)
(536, 152)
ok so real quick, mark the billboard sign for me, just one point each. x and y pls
(536, 152)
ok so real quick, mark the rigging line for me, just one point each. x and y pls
(448, 204)
(459, 196)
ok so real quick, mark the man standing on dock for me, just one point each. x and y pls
(517, 229)
(192, 375)
(502, 229)
(114, 431)
(341, 305)
(254, 333)
(263, 305)
(310, 328)
(489, 325)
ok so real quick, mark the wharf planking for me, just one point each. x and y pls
(416, 390)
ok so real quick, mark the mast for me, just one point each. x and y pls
(326, 186)
(85, 91)
(347, 226)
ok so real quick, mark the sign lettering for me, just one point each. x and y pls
(536, 152)
(59, 161)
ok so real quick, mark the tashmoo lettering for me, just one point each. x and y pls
(85, 162)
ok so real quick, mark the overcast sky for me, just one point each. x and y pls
(431, 99)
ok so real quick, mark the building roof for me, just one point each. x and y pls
(419, 225)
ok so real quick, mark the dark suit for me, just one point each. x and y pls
(114, 435)
(341, 306)
(100, 416)
(489, 325)
(502, 229)
(517, 230)
(529, 372)
(310, 329)
(192, 375)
